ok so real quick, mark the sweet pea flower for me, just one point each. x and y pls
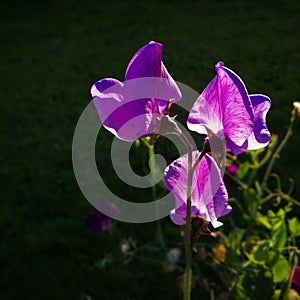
(295, 282)
(97, 221)
(132, 109)
(229, 173)
(101, 217)
(226, 110)
(209, 198)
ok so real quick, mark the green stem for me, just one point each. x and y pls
(243, 185)
(159, 234)
(188, 250)
(278, 150)
(187, 236)
(153, 169)
(289, 198)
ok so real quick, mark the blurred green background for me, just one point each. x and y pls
(51, 53)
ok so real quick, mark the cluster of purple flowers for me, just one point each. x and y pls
(134, 108)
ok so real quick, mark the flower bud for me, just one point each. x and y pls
(296, 109)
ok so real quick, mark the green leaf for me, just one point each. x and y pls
(294, 227)
(263, 220)
(255, 156)
(252, 200)
(239, 289)
(260, 253)
(243, 170)
(276, 220)
(281, 269)
(279, 237)
(273, 258)
(254, 284)
(235, 238)
(234, 246)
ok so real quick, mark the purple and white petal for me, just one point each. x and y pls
(235, 104)
(209, 196)
(129, 110)
(260, 136)
(156, 82)
(212, 195)
(126, 120)
(205, 115)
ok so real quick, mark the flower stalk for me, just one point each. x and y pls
(188, 249)
(151, 153)
(187, 235)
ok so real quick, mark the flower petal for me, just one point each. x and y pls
(147, 63)
(176, 177)
(178, 219)
(260, 136)
(212, 195)
(128, 121)
(97, 221)
(209, 195)
(237, 111)
(235, 149)
(206, 111)
(130, 110)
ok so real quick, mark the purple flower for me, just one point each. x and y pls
(209, 196)
(225, 109)
(295, 283)
(130, 110)
(97, 221)
(231, 170)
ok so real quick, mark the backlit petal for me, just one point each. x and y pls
(147, 63)
(128, 121)
(236, 107)
(209, 196)
(261, 135)
(206, 111)
(130, 110)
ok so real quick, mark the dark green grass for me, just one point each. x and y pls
(50, 55)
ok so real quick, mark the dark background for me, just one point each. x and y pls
(51, 52)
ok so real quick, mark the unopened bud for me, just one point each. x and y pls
(296, 109)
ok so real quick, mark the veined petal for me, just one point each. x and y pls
(147, 63)
(212, 195)
(260, 136)
(176, 178)
(235, 149)
(209, 196)
(126, 120)
(206, 111)
(108, 98)
(177, 218)
(130, 110)
(178, 215)
(168, 89)
(236, 107)
(102, 85)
